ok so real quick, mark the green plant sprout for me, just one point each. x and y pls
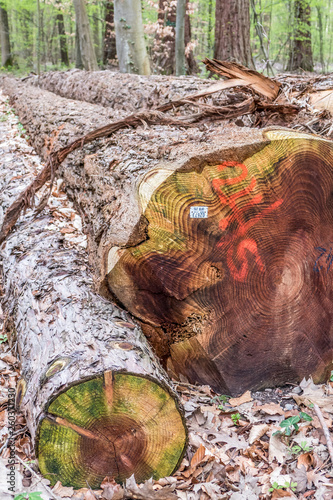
(277, 486)
(235, 417)
(301, 448)
(3, 338)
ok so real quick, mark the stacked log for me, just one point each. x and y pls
(96, 400)
(216, 238)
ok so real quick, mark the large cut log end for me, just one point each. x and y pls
(114, 425)
(236, 269)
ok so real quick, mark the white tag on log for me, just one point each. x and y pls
(198, 212)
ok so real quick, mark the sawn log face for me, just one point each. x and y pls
(237, 265)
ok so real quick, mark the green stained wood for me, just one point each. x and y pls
(113, 426)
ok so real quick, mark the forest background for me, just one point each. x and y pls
(268, 35)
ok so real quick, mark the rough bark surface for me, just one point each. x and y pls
(109, 48)
(91, 387)
(232, 31)
(300, 57)
(118, 91)
(223, 297)
(84, 38)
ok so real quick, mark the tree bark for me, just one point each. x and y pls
(221, 248)
(91, 387)
(130, 42)
(164, 47)
(6, 56)
(180, 37)
(122, 92)
(300, 56)
(78, 58)
(190, 60)
(109, 49)
(87, 51)
(232, 32)
(62, 39)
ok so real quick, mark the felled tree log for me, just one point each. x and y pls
(120, 91)
(213, 243)
(96, 400)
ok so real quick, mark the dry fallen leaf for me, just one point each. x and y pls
(198, 456)
(271, 409)
(306, 460)
(244, 398)
(257, 431)
(277, 449)
(63, 491)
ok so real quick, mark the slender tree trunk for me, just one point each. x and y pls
(109, 49)
(232, 31)
(130, 41)
(38, 37)
(78, 58)
(180, 37)
(164, 46)
(190, 60)
(6, 56)
(210, 26)
(300, 56)
(87, 51)
(62, 39)
(321, 38)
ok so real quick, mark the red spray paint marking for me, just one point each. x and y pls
(245, 245)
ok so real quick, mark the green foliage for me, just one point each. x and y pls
(276, 486)
(275, 21)
(235, 417)
(290, 425)
(3, 337)
(29, 496)
(302, 448)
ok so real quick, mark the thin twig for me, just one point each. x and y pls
(325, 429)
(39, 479)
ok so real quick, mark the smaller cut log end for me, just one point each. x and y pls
(115, 425)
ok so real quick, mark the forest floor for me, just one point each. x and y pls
(263, 445)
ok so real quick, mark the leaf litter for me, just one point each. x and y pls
(237, 450)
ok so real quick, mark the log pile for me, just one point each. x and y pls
(216, 238)
(96, 400)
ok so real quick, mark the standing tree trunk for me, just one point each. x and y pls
(300, 55)
(109, 49)
(78, 58)
(180, 37)
(190, 60)
(164, 46)
(321, 37)
(62, 39)
(87, 51)
(232, 31)
(130, 41)
(6, 56)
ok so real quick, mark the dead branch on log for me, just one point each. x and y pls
(261, 84)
